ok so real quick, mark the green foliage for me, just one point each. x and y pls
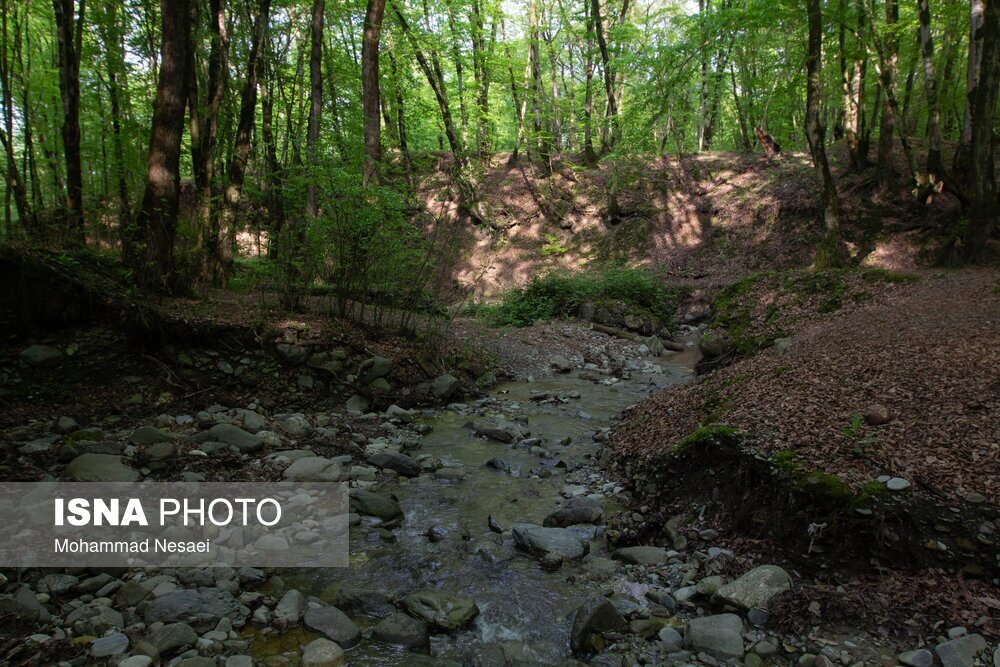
(886, 276)
(704, 435)
(553, 246)
(560, 293)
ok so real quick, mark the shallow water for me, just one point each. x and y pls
(518, 600)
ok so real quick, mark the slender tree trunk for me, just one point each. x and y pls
(69, 32)
(315, 100)
(935, 163)
(272, 193)
(456, 54)
(609, 79)
(853, 74)
(519, 103)
(827, 252)
(589, 155)
(115, 66)
(977, 13)
(889, 57)
(541, 140)
(404, 148)
(370, 96)
(15, 182)
(148, 246)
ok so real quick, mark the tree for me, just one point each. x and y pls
(69, 36)
(828, 250)
(147, 247)
(370, 100)
(315, 98)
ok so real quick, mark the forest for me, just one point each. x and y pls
(551, 332)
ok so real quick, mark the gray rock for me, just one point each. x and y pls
(576, 511)
(313, 469)
(560, 363)
(172, 638)
(290, 607)
(445, 387)
(961, 652)
(402, 630)
(642, 555)
(136, 661)
(114, 644)
(756, 588)
(540, 541)
(149, 435)
(296, 426)
(236, 437)
(39, 445)
(654, 345)
(378, 505)
(401, 463)
(662, 598)
(671, 639)
(719, 636)
(919, 658)
(440, 610)
(239, 661)
(364, 602)
(41, 356)
(592, 619)
(322, 653)
(200, 607)
(333, 624)
(396, 412)
(357, 404)
(714, 344)
(374, 368)
(294, 355)
(897, 484)
(101, 468)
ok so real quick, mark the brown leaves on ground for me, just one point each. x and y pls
(927, 351)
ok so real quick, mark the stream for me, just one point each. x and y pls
(525, 611)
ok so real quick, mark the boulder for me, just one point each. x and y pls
(540, 541)
(149, 435)
(293, 355)
(235, 437)
(714, 344)
(719, 636)
(290, 608)
(642, 555)
(333, 624)
(173, 638)
(654, 345)
(378, 505)
(322, 653)
(961, 652)
(374, 368)
(756, 588)
(41, 356)
(313, 469)
(402, 630)
(357, 404)
(576, 511)
(101, 468)
(364, 602)
(200, 607)
(401, 463)
(560, 363)
(445, 387)
(440, 610)
(594, 618)
(396, 412)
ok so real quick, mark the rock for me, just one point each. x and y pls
(592, 619)
(440, 610)
(379, 386)
(334, 624)
(654, 345)
(402, 630)
(876, 415)
(290, 607)
(114, 644)
(296, 426)
(719, 636)
(201, 607)
(663, 599)
(364, 601)
(41, 356)
(322, 653)
(239, 661)
(294, 355)
(396, 412)
(173, 637)
(101, 468)
(136, 661)
(377, 505)
(756, 588)
(149, 435)
(897, 484)
(401, 463)
(961, 652)
(781, 345)
(374, 368)
(576, 511)
(560, 363)
(714, 344)
(313, 469)
(357, 404)
(236, 437)
(709, 585)
(540, 541)
(642, 555)
(445, 387)
(39, 445)
(919, 658)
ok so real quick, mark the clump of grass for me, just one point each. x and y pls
(559, 294)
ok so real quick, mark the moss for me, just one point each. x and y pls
(886, 276)
(704, 435)
(827, 487)
(731, 311)
(828, 285)
(786, 461)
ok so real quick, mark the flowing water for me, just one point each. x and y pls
(520, 604)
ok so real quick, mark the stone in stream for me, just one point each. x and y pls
(333, 624)
(401, 463)
(41, 356)
(172, 638)
(396, 412)
(201, 607)
(357, 404)
(377, 505)
(402, 630)
(322, 653)
(719, 636)
(313, 469)
(364, 602)
(756, 588)
(440, 610)
(114, 644)
(641, 555)
(918, 658)
(560, 363)
(236, 437)
(540, 541)
(374, 368)
(499, 465)
(576, 511)
(101, 468)
(961, 652)
(445, 386)
(149, 435)
(289, 609)
(594, 618)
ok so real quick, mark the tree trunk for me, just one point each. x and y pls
(520, 104)
(541, 140)
(226, 241)
(977, 13)
(148, 246)
(609, 79)
(828, 250)
(589, 155)
(404, 147)
(115, 65)
(852, 74)
(935, 164)
(889, 57)
(370, 95)
(272, 192)
(15, 181)
(456, 55)
(205, 143)
(69, 33)
(315, 100)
